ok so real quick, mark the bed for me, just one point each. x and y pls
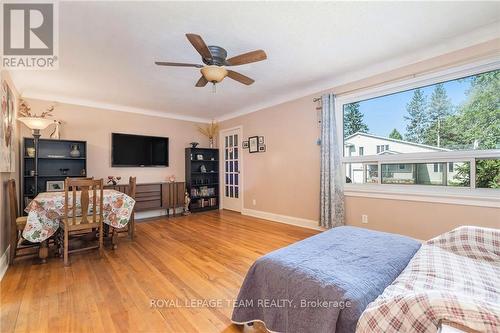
(323, 283)
(355, 280)
(452, 281)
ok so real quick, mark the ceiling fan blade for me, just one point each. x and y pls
(199, 45)
(201, 82)
(177, 64)
(240, 77)
(247, 58)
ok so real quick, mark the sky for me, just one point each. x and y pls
(383, 114)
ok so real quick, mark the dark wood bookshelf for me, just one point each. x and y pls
(203, 187)
(54, 163)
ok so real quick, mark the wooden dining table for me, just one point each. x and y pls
(46, 210)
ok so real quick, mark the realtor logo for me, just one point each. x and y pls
(29, 35)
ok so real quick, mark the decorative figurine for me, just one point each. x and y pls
(187, 201)
(114, 180)
(194, 144)
(75, 150)
(56, 134)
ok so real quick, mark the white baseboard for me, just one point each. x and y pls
(155, 213)
(297, 221)
(150, 213)
(4, 262)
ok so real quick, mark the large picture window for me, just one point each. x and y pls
(440, 134)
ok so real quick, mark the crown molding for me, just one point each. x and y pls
(112, 107)
(484, 34)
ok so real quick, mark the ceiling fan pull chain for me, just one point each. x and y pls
(214, 89)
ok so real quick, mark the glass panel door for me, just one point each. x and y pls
(231, 177)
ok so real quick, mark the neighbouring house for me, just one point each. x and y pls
(364, 144)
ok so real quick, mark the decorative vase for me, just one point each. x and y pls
(30, 151)
(211, 142)
(75, 151)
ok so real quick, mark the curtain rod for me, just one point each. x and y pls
(317, 99)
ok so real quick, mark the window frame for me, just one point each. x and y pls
(435, 193)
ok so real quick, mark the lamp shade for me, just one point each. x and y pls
(36, 123)
(214, 73)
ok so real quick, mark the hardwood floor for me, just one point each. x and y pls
(200, 257)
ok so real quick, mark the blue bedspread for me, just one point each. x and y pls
(322, 283)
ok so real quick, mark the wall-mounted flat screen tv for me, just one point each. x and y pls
(130, 150)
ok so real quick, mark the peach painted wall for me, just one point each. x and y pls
(96, 125)
(422, 220)
(285, 179)
(4, 176)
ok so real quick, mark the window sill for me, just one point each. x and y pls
(436, 194)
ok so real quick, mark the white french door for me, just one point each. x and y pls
(231, 165)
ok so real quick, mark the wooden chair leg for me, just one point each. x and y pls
(114, 238)
(43, 252)
(131, 226)
(106, 230)
(14, 240)
(60, 245)
(101, 236)
(66, 246)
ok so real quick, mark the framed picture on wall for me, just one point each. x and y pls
(55, 185)
(261, 140)
(253, 144)
(262, 148)
(245, 144)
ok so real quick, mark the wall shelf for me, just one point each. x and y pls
(62, 158)
(49, 168)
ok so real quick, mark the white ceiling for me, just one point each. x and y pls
(107, 49)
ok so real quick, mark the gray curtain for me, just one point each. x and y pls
(332, 183)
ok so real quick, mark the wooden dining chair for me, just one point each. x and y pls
(17, 223)
(130, 229)
(76, 224)
(80, 178)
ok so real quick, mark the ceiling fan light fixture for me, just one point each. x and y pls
(213, 73)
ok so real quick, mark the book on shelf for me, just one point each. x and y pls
(210, 202)
(203, 191)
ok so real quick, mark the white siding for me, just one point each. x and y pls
(370, 144)
(405, 174)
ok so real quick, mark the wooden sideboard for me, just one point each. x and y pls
(153, 196)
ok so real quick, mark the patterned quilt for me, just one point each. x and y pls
(454, 277)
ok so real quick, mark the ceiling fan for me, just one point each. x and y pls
(214, 58)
